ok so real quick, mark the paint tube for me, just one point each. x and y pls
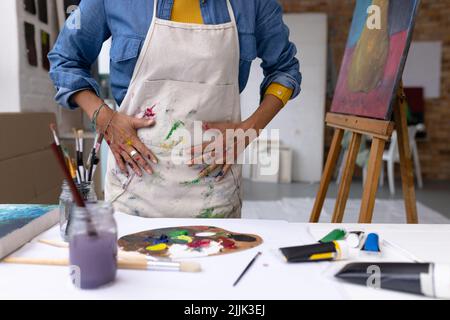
(335, 235)
(355, 239)
(371, 247)
(427, 279)
(332, 251)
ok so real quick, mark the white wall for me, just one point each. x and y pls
(9, 58)
(24, 87)
(301, 123)
(36, 89)
(424, 67)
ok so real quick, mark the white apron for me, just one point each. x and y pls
(187, 73)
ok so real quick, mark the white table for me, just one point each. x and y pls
(269, 278)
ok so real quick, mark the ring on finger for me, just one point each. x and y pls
(133, 153)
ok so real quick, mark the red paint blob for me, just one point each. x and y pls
(227, 243)
(202, 243)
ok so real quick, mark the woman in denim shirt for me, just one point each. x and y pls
(170, 48)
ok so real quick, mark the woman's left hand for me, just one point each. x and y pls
(229, 142)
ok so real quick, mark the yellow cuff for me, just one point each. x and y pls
(281, 92)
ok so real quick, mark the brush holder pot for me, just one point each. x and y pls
(93, 246)
(66, 204)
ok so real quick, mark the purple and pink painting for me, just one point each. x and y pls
(374, 57)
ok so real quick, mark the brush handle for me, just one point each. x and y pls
(132, 264)
(76, 195)
(127, 264)
(37, 261)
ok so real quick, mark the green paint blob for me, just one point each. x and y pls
(177, 233)
(174, 128)
(334, 235)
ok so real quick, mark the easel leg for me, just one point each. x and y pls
(330, 166)
(409, 192)
(347, 176)
(372, 181)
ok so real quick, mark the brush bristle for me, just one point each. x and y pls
(53, 127)
(190, 267)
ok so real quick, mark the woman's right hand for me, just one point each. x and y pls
(120, 133)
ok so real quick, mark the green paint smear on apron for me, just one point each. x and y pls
(209, 192)
(209, 214)
(174, 128)
(191, 183)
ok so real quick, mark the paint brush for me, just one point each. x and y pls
(143, 263)
(73, 168)
(138, 261)
(61, 149)
(77, 153)
(80, 161)
(58, 143)
(55, 135)
(247, 268)
(93, 158)
(69, 163)
(73, 188)
(135, 263)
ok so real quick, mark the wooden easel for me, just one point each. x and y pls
(381, 132)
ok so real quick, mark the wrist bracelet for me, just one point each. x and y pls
(109, 122)
(95, 115)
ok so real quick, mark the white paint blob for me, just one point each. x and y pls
(182, 251)
(205, 234)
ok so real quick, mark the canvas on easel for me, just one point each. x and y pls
(367, 96)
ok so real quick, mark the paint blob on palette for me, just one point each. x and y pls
(188, 242)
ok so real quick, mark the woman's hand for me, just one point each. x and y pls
(235, 138)
(229, 142)
(121, 135)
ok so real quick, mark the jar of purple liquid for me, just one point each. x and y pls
(93, 246)
(66, 204)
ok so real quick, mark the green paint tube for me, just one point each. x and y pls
(335, 235)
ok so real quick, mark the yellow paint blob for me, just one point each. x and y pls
(157, 247)
(184, 238)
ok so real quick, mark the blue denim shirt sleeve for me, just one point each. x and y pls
(274, 48)
(76, 49)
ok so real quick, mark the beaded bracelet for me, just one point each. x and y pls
(95, 115)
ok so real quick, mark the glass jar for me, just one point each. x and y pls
(93, 245)
(66, 204)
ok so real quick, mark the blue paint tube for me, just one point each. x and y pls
(372, 243)
(371, 247)
(427, 279)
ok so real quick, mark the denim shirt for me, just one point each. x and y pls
(262, 34)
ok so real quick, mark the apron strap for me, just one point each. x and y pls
(231, 12)
(155, 9)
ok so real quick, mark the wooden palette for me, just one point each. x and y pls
(188, 242)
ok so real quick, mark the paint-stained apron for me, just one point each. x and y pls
(188, 73)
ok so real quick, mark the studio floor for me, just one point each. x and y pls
(434, 195)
